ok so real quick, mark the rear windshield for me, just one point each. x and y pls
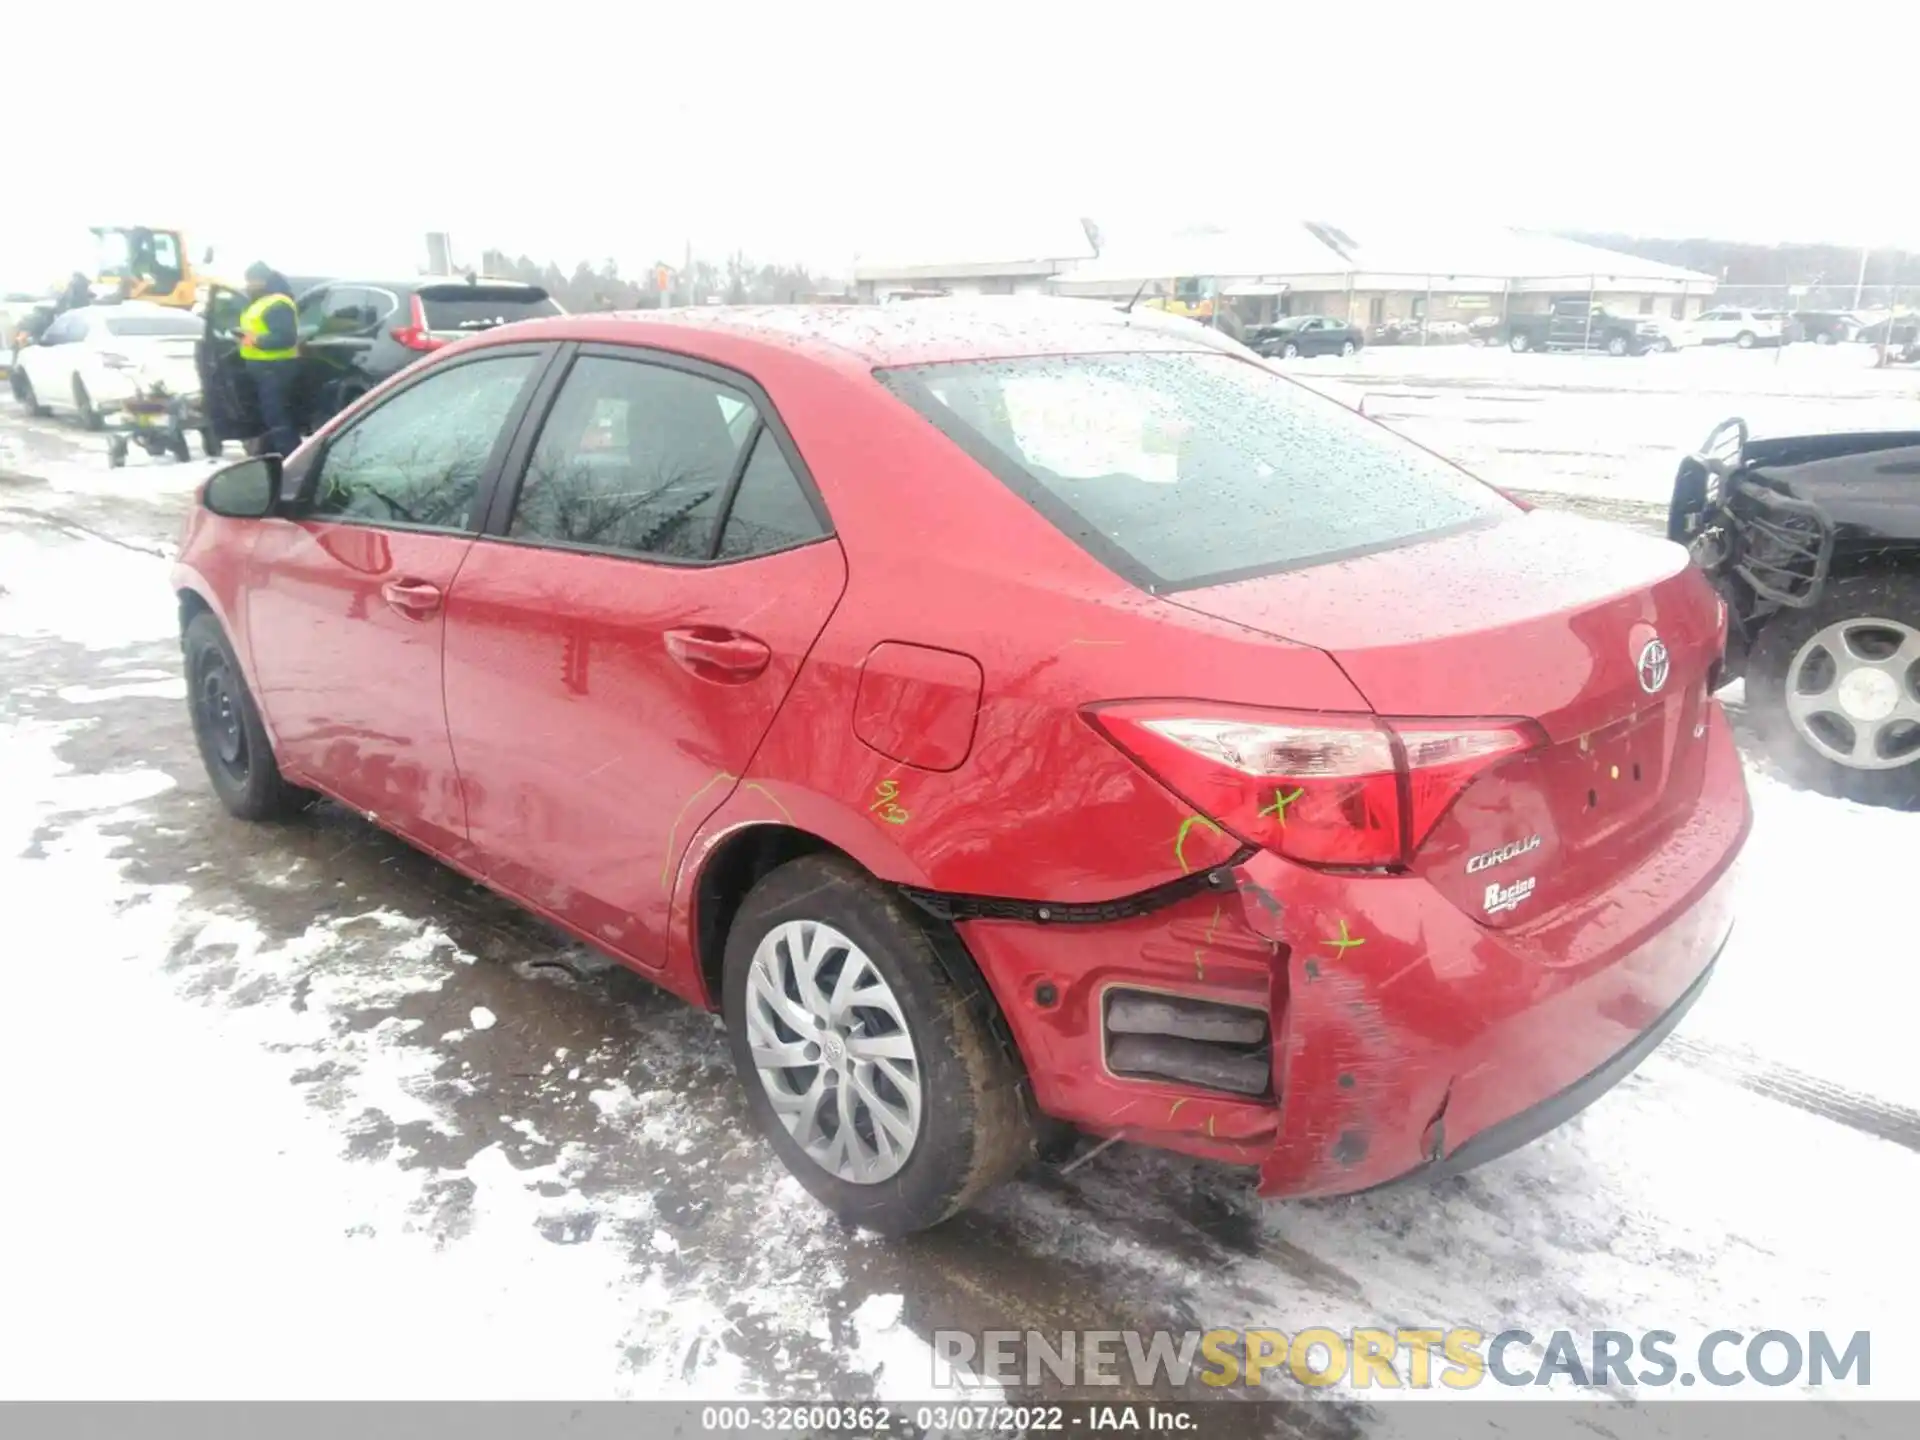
(1180, 470)
(153, 325)
(477, 307)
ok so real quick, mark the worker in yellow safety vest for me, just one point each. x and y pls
(270, 352)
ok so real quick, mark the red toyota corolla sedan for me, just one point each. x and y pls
(1002, 717)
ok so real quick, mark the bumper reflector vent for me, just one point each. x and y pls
(1191, 1042)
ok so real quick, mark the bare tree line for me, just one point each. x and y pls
(735, 281)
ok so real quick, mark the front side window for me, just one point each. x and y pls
(1186, 469)
(417, 460)
(634, 457)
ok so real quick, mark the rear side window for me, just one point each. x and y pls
(633, 457)
(417, 459)
(149, 325)
(482, 307)
(770, 510)
(1182, 469)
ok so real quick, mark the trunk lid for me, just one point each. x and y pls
(1545, 617)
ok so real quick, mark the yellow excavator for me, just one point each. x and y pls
(141, 262)
(1192, 296)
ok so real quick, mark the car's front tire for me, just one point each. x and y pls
(23, 389)
(1746, 339)
(226, 724)
(867, 1050)
(1518, 344)
(83, 403)
(1835, 690)
(1346, 349)
(1289, 351)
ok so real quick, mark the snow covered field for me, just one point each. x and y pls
(294, 1112)
(1596, 426)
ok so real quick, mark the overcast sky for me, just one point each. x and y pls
(333, 138)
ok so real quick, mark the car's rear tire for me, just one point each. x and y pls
(919, 1051)
(1810, 715)
(226, 724)
(1617, 346)
(83, 402)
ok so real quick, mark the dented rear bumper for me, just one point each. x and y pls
(1406, 1037)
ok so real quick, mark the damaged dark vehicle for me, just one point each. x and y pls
(1813, 541)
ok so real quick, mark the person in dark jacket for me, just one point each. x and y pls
(270, 354)
(78, 294)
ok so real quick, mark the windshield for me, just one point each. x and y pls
(153, 325)
(1181, 470)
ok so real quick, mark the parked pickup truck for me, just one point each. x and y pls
(1569, 326)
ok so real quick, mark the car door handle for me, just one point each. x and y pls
(712, 653)
(415, 599)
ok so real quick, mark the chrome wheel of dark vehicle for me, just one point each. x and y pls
(1853, 693)
(216, 714)
(1346, 348)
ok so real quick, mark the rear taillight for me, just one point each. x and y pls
(1353, 791)
(414, 335)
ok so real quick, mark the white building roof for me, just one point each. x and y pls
(1497, 253)
(1277, 250)
(974, 245)
(1276, 253)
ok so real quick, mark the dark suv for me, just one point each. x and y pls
(354, 334)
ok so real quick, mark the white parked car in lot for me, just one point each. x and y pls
(1745, 328)
(92, 361)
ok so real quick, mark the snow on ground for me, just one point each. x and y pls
(262, 1126)
(1614, 428)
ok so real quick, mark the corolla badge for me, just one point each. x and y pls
(1513, 849)
(1653, 665)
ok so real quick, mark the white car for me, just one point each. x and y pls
(91, 361)
(1729, 326)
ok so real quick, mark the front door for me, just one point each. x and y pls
(616, 652)
(347, 601)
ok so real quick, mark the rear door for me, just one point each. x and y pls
(232, 411)
(346, 610)
(621, 639)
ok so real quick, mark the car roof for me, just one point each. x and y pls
(912, 332)
(129, 307)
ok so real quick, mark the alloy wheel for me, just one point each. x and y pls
(830, 1043)
(1853, 693)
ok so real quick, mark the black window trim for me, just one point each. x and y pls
(314, 464)
(908, 384)
(506, 493)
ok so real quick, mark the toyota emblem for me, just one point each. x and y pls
(1653, 665)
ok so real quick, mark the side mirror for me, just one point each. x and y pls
(248, 490)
